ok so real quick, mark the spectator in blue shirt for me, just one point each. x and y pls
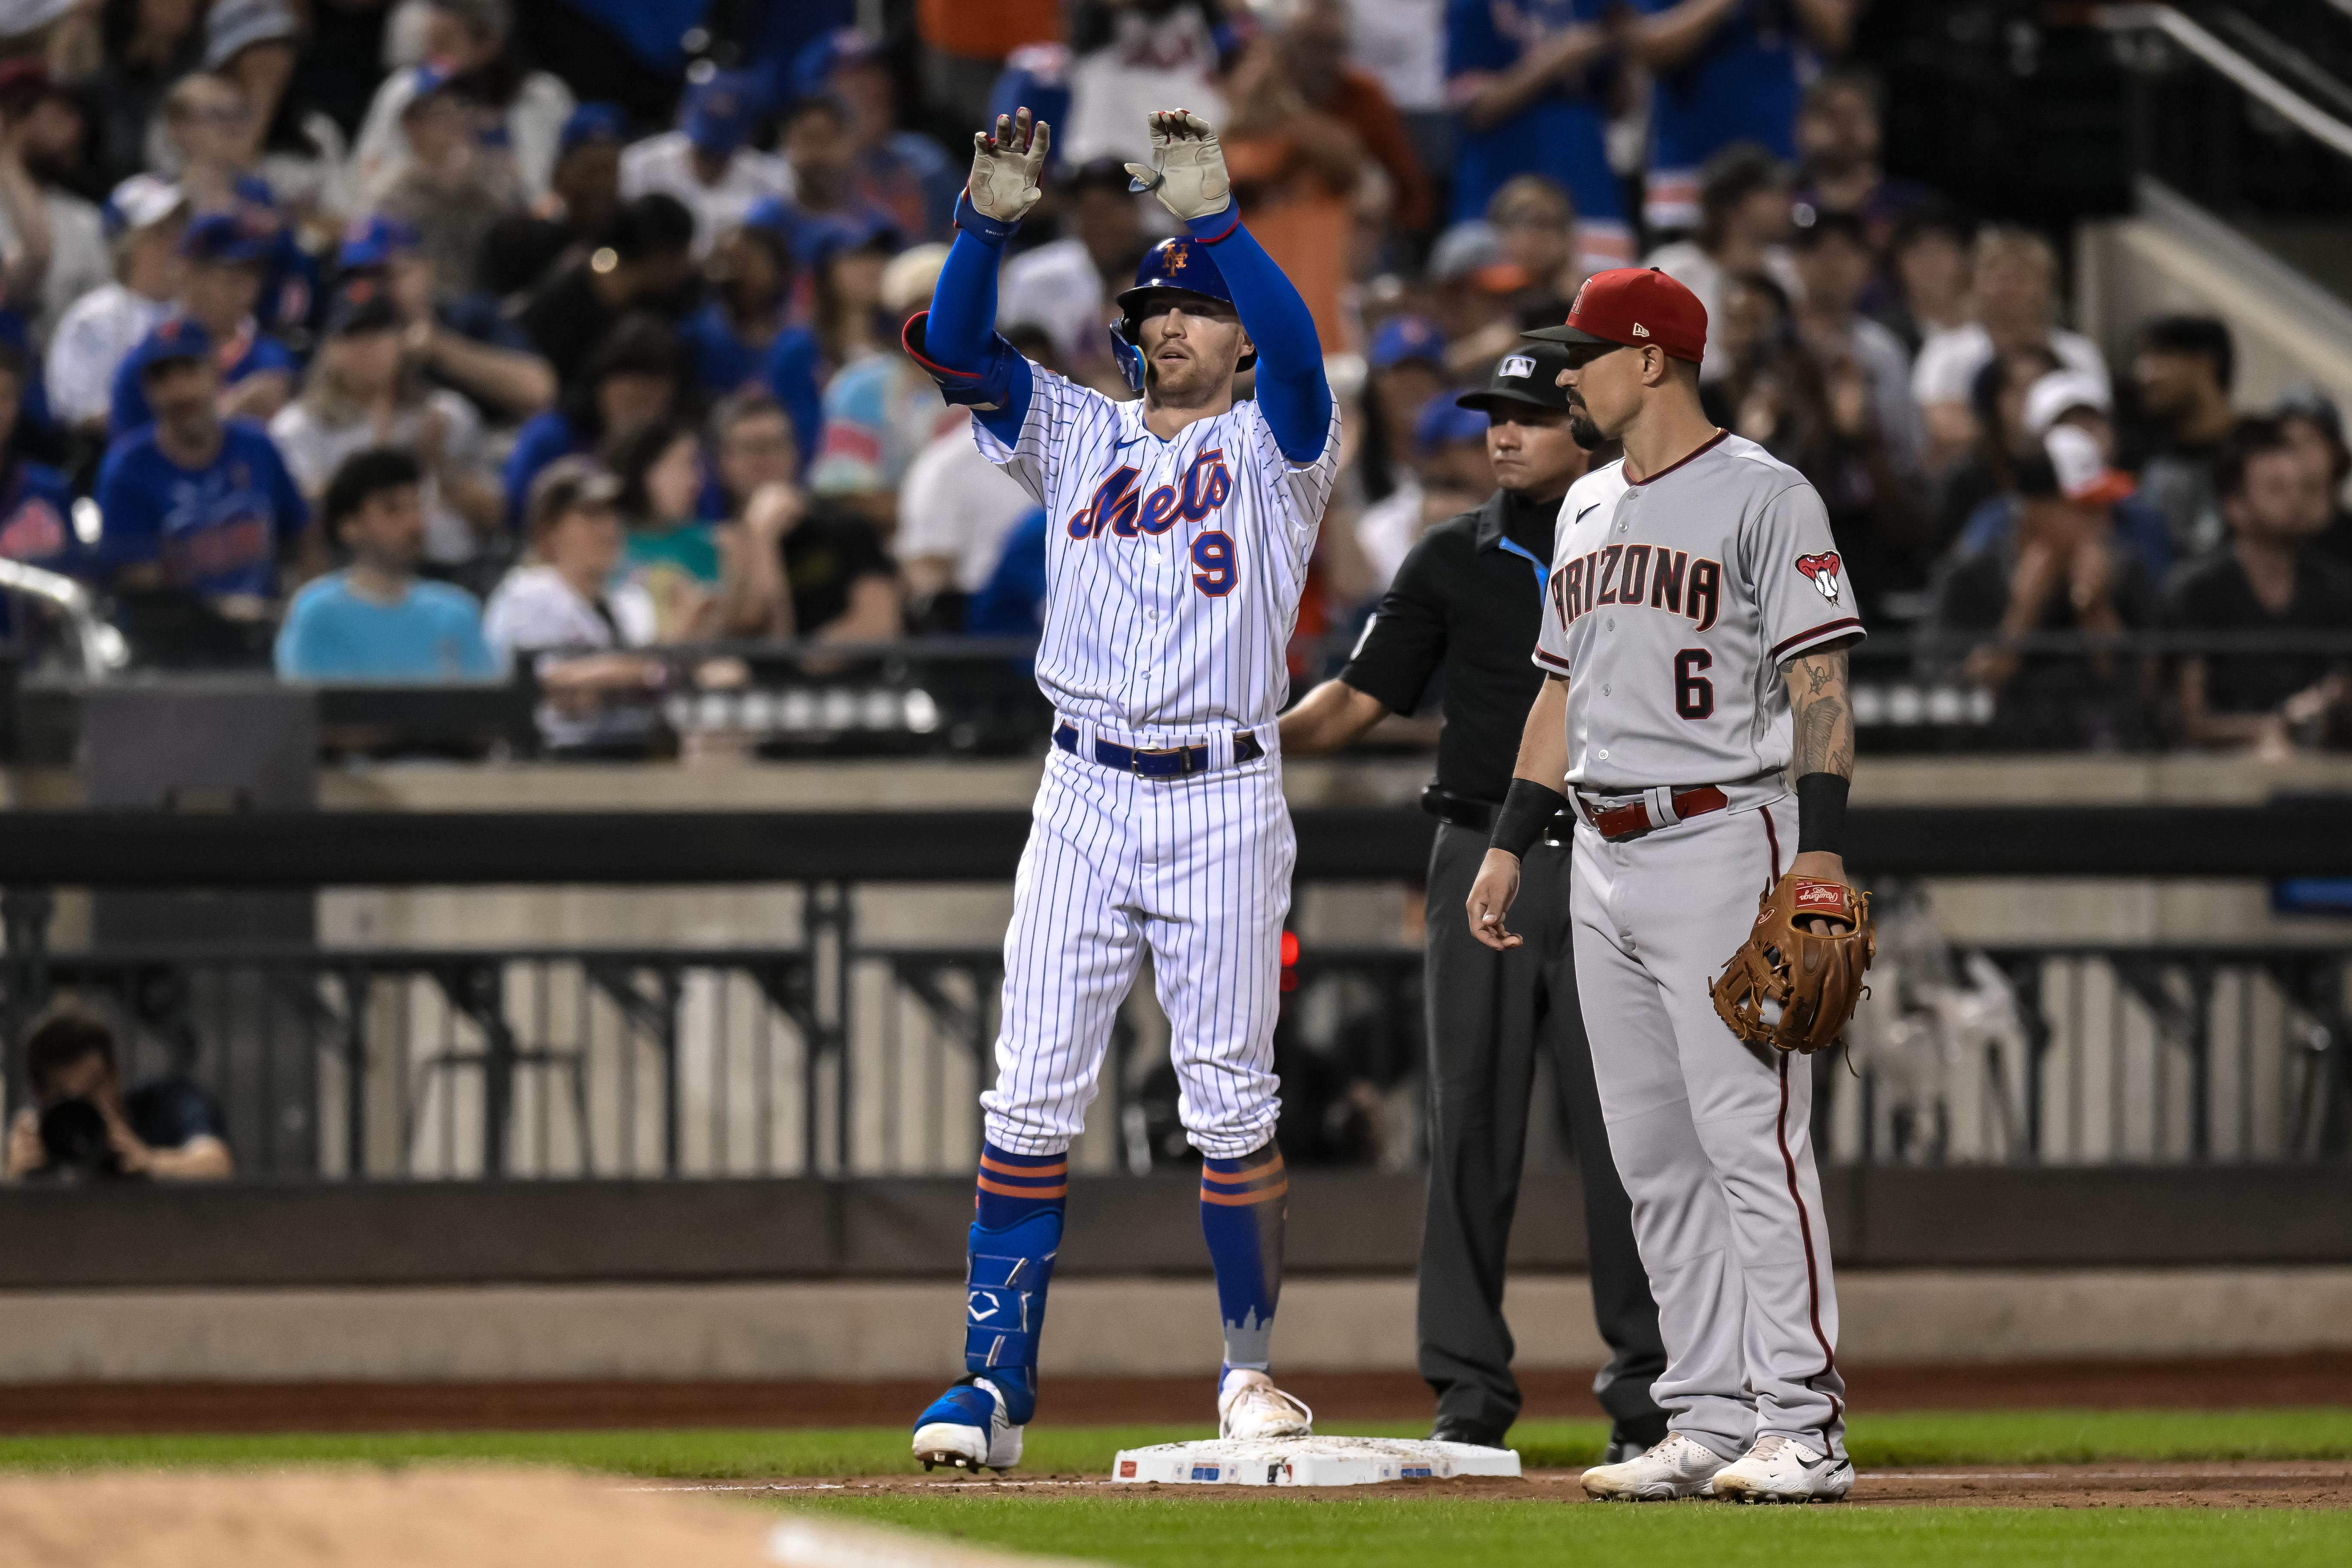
(226, 255)
(195, 501)
(738, 342)
(376, 619)
(1725, 71)
(35, 502)
(634, 378)
(1526, 80)
(465, 344)
(1012, 603)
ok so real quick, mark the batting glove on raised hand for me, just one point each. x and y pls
(1188, 167)
(1005, 170)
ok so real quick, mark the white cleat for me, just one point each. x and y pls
(1676, 1468)
(1781, 1470)
(1249, 1405)
(960, 1439)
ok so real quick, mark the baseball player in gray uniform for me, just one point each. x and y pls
(1693, 642)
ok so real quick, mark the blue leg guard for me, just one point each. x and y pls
(1005, 1302)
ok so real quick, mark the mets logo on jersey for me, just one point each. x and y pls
(33, 532)
(1823, 570)
(1119, 508)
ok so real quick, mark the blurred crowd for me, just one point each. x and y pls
(350, 332)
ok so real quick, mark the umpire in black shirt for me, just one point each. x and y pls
(1466, 602)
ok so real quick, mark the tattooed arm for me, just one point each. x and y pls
(1824, 719)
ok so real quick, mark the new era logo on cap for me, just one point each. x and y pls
(1639, 330)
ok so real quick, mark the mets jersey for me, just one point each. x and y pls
(1172, 568)
(1672, 606)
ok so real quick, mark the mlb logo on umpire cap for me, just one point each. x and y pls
(1516, 365)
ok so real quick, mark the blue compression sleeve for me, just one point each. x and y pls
(1291, 390)
(961, 331)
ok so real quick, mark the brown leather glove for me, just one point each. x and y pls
(1788, 987)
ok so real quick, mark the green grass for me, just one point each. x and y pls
(1409, 1529)
(1376, 1533)
(2002, 1437)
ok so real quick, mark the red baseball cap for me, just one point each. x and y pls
(1634, 307)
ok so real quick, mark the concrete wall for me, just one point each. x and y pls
(1101, 1327)
(2176, 256)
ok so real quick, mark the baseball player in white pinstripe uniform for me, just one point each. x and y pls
(1181, 529)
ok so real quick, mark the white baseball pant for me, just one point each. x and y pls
(1712, 1136)
(1196, 869)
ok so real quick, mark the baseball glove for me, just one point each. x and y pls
(1788, 986)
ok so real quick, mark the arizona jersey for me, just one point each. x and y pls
(1173, 569)
(1672, 605)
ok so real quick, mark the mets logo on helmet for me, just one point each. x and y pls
(1823, 570)
(1179, 257)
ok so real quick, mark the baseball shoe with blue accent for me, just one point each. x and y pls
(1677, 1467)
(1781, 1470)
(967, 1427)
(1249, 1405)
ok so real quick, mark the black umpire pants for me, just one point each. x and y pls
(1489, 1015)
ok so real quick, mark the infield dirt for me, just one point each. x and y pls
(2216, 1383)
(2314, 1485)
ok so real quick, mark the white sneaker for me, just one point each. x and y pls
(957, 1430)
(1249, 1405)
(1781, 1470)
(1676, 1468)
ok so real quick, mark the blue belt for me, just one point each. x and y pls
(1170, 763)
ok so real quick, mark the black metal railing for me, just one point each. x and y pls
(385, 1064)
(2103, 1054)
(823, 1052)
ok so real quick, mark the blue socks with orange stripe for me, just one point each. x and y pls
(1243, 1205)
(1008, 1264)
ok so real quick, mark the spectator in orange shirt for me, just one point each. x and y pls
(964, 44)
(1316, 45)
(1294, 170)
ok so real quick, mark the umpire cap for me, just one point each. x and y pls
(1528, 376)
(1179, 266)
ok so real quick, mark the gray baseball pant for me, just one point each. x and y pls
(1712, 1136)
(1490, 1016)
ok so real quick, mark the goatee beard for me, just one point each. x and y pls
(1582, 430)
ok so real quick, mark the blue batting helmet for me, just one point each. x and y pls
(1181, 266)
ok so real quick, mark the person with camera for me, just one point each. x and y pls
(82, 1125)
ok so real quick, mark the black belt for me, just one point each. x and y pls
(1478, 815)
(1168, 762)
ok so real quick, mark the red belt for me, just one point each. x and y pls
(1626, 821)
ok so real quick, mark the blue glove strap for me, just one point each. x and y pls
(970, 220)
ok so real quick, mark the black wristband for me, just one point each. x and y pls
(1821, 812)
(1526, 809)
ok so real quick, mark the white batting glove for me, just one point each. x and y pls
(1188, 167)
(1007, 170)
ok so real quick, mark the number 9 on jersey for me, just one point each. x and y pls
(1212, 558)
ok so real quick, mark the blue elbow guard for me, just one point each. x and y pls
(1004, 1292)
(987, 389)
